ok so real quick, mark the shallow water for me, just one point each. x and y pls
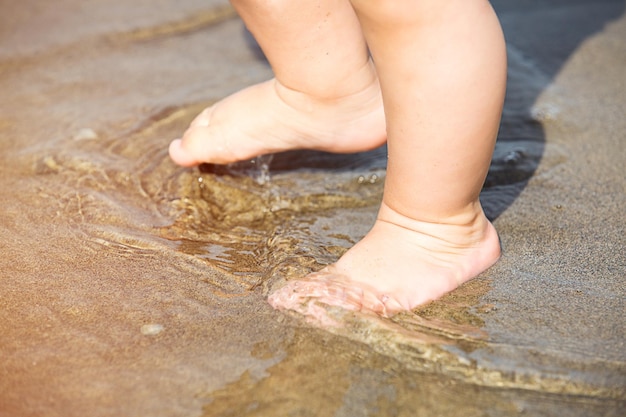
(122, 267)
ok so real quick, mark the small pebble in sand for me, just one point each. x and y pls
(51, 163)
(86, 134)
(151, 329)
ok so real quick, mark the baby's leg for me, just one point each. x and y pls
(325, 95)
(442, 70)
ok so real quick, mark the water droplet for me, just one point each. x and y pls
(513, 157)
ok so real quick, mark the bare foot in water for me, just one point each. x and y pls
(400, 264)
(269, 117)
(441, 69)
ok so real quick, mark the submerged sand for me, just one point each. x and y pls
(130, 286)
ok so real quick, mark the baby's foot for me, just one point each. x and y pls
(269, 117)
(400, 264)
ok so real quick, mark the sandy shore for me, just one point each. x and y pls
(132, 287)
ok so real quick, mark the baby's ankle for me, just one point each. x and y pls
(328, 91)
(465, 225)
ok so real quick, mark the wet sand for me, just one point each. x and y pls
(130, 286)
